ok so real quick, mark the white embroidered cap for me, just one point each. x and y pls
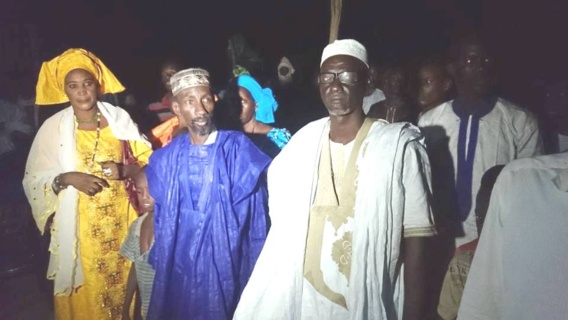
(188, 78)
(347, 47)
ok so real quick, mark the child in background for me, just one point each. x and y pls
(136, 248)
(434, 84)
(396, 107)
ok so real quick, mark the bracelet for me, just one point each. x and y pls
(56, 185)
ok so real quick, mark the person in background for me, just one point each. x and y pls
(478, 129)
(254, 108)
(467, 136)
(211, 211)
(397, 104)
(74, 184)
(14, 125)
(163, 108)
(169, 125)
(298, 100)
(519, 268)
(285, 71)
(434, 84)
(374, 94)
(136, 248)
(456, 276)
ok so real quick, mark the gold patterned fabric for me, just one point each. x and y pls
(103, 224)
(331, 218)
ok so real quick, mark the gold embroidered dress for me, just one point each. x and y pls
(103, 222)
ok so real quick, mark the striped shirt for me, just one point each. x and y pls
(144, 272)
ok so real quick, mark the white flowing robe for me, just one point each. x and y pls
(376, 287)
(519, 268)
(54, 152)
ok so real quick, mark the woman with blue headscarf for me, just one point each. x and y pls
(254, 106)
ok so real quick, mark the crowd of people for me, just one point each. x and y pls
(378, 210)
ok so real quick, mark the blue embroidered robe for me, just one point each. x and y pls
(211, 221)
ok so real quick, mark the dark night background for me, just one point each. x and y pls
(133, 37)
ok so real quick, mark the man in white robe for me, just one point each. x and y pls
(471, 134)
(346, 196)
(519, 268)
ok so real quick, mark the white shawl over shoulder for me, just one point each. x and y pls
(376, 288)
(54, 152)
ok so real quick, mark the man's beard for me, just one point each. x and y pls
(202, 130)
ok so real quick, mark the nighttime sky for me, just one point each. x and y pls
(133, 36)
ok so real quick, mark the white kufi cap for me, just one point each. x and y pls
(348, 47)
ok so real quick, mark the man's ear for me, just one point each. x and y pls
(175, 107)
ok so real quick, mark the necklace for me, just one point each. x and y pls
(93, 118)
(333, 182)
(98, 116)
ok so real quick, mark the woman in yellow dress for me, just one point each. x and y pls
(74, 183)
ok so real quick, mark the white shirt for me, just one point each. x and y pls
(314, 304)
(376, 96)
(520, 268)
(506, 133)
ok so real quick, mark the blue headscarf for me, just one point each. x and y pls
(264, 98)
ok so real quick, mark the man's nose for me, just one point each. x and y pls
(336, 85)
(200, 108)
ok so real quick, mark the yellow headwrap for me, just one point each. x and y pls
(51, 81)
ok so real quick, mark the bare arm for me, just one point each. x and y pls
(131, 287)
(414, 250)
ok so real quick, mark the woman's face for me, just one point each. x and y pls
(249, 105)
(82, 89)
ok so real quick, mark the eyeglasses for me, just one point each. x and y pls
(345, 77)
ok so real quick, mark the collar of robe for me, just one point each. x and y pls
(466, 150)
